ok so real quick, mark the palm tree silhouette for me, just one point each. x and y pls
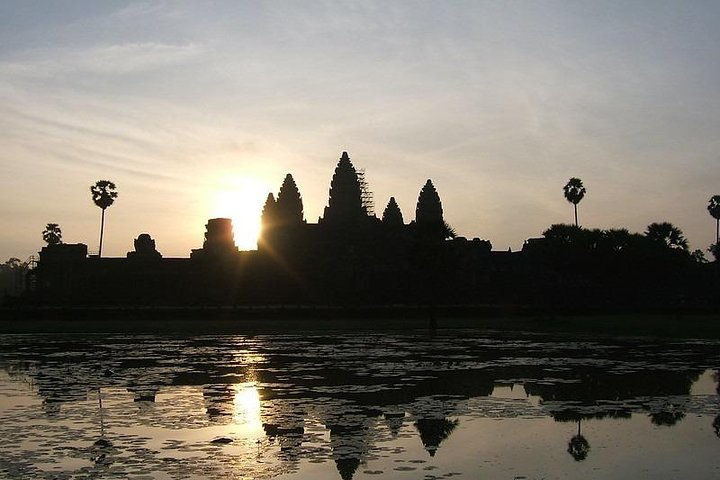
(667, 234)
(52, 234)
(714, 209)
(103, 194)
(578, 446)
(574, 192)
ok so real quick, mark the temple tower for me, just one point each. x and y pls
(345, 204)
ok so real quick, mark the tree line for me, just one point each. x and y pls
(662, 233)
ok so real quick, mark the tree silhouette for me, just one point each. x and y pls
(564, 234)
(52, 234)
(578, 446)
(289, 206)
(103, 194)
(574, 192)
(667, 234)
(392, 216)
(668, 417)
(698, 256)
(12, 276)
(13, 263)
(714, 210)
(620, 239)
(715, 250)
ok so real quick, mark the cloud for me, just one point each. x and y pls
(498, 103)
(117, 59)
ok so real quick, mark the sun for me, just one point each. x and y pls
(241, 199)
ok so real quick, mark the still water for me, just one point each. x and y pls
(459, 404)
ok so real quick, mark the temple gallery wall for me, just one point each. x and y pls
(353, 257)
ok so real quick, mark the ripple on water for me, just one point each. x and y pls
(321, 399)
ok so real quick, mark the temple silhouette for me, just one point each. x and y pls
(351, 257)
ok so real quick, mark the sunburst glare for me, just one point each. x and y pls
(241, 199)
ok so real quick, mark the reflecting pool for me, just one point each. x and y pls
(463, 404)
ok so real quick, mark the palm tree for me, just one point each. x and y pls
(52, 234)
(578, 446)
(103, 194)
(667, 234)
(574, 192)
(714, 209)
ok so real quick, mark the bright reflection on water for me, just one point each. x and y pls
(247, 407)
(357, 406)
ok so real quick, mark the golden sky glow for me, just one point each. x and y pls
(241, 199)
(190, 110)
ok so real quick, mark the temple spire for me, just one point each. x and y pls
(429, 215)
(392, 216)
(345, 202)
(289, 206)
(429, 208)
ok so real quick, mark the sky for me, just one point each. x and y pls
(197, 110)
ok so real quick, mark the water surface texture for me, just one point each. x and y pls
(351, 405)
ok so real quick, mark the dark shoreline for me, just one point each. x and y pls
(296, 318)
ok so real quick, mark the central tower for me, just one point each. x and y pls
(345, 204)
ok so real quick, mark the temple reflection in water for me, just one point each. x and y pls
(278, 402)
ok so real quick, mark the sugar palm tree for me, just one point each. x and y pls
(714, 210)
(667, 234)
(52, 234)
(574, 192)
(103, 194)
(578, 446)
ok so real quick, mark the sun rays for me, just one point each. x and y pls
(241, 199)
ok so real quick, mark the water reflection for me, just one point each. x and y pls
(433, 431)
(277, 405)
(578, 447)
(247, 406)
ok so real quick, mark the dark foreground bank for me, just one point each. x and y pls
(293, 319)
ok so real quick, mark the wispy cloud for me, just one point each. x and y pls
(499, 103)
(119, 59)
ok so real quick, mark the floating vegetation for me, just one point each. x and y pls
(377, 405)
